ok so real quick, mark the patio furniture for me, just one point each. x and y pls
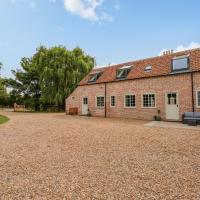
(192, 122)
(191, 118)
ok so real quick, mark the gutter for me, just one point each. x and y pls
(192, 87)
(105, 107)
(147, 77)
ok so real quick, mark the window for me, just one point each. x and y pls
(148, 68)
(85, 100)
(112, 101)
(180, 63)
(123, 72)
(172, 99)
(149, 101)
(129, 101)
(198, 99)
(100, 101)
(93, 77)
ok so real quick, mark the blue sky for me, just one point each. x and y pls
(112, 31)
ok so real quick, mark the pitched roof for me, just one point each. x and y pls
(161, 65)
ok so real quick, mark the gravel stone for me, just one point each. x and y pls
(54, 156)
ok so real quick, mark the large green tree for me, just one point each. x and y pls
(50, 75)
(3, 93)
(2, 86)
(62, 70)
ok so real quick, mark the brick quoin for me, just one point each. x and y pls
(159, 81)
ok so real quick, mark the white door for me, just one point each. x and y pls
(85, 106)
(172, 106)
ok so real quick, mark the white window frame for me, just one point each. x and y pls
(129, 94)
(96, 101)
(197, 91)
(111, 101)
(142, 100)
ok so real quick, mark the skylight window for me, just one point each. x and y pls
(93, 77)
(123, 72)
(148, 68)
(180, 63)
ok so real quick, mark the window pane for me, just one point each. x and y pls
(112, 100)
(85, 100)
(198, 98)
(181, 63)
(130, 100)
(149, 100)
(122, 73)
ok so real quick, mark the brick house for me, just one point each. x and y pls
(166, 85)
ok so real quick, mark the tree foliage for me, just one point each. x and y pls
(3, 93)
(50, 75)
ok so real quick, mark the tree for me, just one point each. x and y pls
(3, 93)
(50, 75)
(62, 72)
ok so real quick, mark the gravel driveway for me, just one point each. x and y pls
(54, 156)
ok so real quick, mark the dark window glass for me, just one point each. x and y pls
(198, 98)
(172, 99)
(85, 100)
(149, 100)
(94, 77)
(123, 72)
(130, 101)
(112, 99)
(100, 101)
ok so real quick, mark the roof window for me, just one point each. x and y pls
(148, 68)
(123, 72)
(93, 77)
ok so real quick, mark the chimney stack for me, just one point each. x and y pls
(168, 52)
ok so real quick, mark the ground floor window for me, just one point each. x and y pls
(129, 101)
(198, 98)
(100, 101)
(112, 101)
(149, 101)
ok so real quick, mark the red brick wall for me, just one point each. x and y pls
(158, 85)
(90, 91)
(196, 88)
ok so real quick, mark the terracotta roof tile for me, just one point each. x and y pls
(161, 65)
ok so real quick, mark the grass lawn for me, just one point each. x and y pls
(3, 119)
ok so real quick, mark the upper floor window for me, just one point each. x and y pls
(180, 63)
(148, 68)
(123, 72)
(93, 77)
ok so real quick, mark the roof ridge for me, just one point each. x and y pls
(149, 58)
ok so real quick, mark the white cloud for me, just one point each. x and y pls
(87, 9)
(192, 45)
(107, 65)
